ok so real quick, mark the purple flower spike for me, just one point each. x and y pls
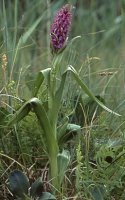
(60, 28)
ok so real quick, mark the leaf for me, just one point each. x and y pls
(63, 162)
(87, 91)
(70, 131)
(19, 183)
(98, 193)
(47, 196)
(38, 108)
(86, 108)
(40, 78)
(20, 114)
(115, 142)
(44, 121)
(37, 188)
(49, 133)
(73, 127)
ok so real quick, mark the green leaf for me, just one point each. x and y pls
(49, 134)
(47, 196)
(98, 193)
(20, 114)
(19, 183)
(70, 131)
(37, 188)
(115, 142)
(63, 162)
(73, 127)
(87, 91)
(85, 108)
(43, 74)
(36, 105)
(45, 124)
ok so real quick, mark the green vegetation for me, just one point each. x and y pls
(62, 116)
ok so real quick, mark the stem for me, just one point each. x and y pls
(54, 172)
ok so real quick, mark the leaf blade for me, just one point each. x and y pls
(47, 196)
(39, 80)
(37, 188)
(63, 162)
(88, 92)
(19, 183)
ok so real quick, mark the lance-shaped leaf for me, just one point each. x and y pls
(36, 105)
(43, 74)
(87, 91)
(63, 162)
(49, 134)
(36, 188)
(86, 108)
(98, 192)
(21, 113)
(73, 127)
(47, 196)
(70, 131)
(19, 183)
(45, 124)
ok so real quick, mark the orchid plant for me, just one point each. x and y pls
(55, 83)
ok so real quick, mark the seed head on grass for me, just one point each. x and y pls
(4, 62)
(60, 28)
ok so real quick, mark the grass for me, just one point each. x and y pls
(96, 170)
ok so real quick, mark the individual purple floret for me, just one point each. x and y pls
(60, 28)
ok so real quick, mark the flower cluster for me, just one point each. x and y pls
(60, 28)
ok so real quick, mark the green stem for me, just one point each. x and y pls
(54, 172)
